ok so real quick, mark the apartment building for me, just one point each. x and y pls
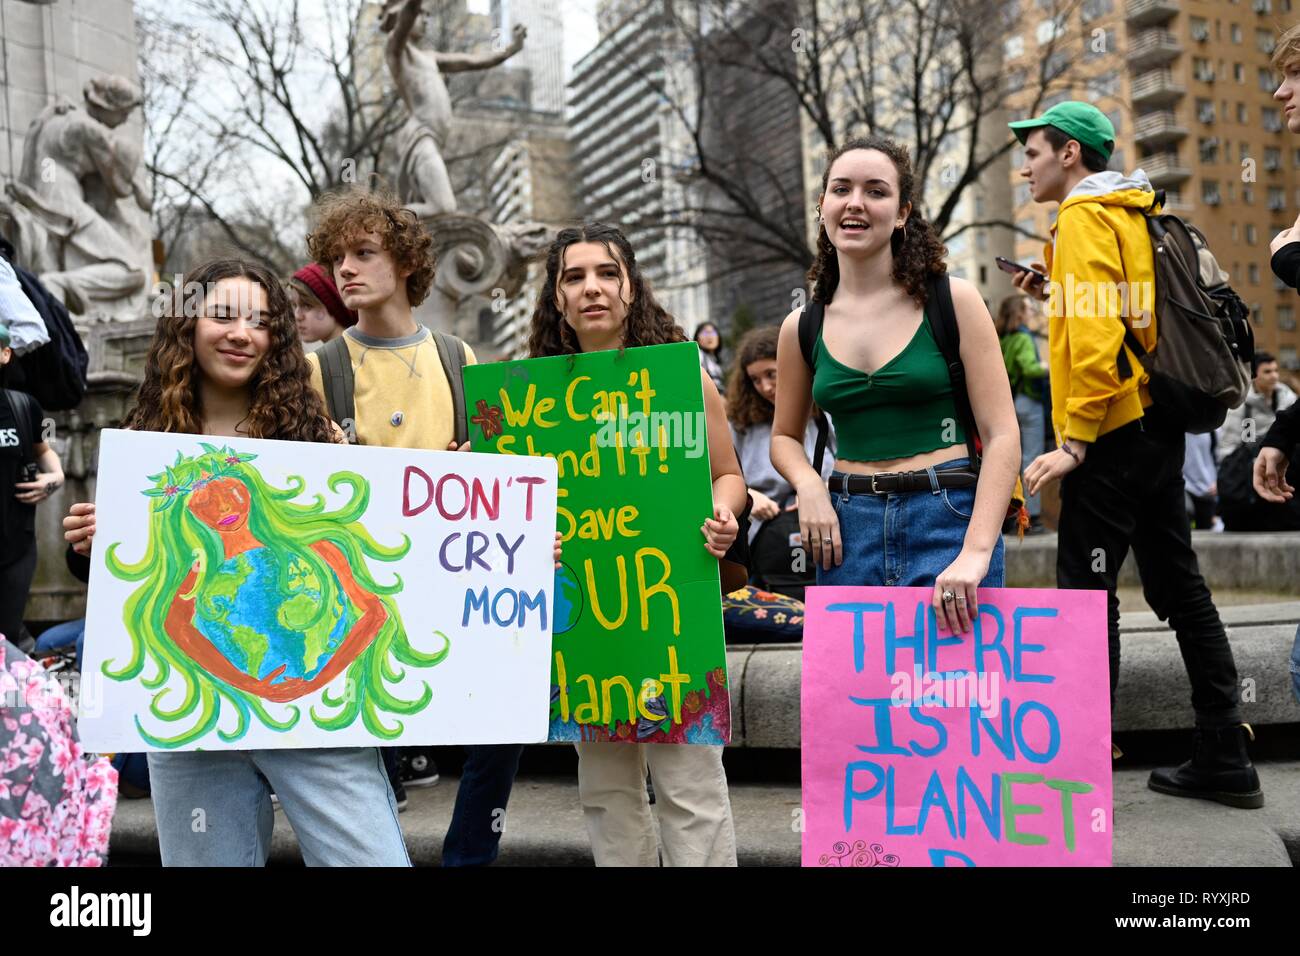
(1187, 84)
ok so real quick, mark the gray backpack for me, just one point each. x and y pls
(1201, 363)
(339, 381)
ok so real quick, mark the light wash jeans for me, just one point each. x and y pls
(214, 808)
(1029, 413)
(906, 540)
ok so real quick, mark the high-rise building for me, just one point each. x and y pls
(528, 181)
(1188, 85)
(543, 52)
(628, 146)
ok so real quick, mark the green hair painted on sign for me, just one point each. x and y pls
(179, 542)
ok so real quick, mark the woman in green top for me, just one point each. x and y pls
(903, 506)
(1027, 376)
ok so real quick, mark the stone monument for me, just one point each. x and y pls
(75, 202)
(474, 257)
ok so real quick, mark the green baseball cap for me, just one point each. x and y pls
(1081, 121)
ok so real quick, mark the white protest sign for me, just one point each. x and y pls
(250, 594)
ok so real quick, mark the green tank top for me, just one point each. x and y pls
(902, 409)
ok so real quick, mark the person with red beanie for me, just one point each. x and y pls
(317, 307)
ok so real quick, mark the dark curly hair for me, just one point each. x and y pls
(745, 406)
(918, 253)
(283, 403)
(647, 322)
(343, 216)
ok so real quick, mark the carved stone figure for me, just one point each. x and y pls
(422, 180)
(79, 211)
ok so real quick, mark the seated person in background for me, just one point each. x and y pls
(777, 560)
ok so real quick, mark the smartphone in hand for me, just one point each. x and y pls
(1012, 268)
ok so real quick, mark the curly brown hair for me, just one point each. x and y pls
(343, 216)
(918, 253)
(647, 322)
(283, 403)
(745, 406)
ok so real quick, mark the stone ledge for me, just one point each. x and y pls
(1247, 562)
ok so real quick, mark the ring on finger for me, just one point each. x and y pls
(948, 597)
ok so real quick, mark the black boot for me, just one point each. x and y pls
(1220, 769)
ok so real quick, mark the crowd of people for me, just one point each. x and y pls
(885, 434)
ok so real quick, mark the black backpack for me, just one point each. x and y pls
(942, 318)
(1201, 363)
(55, 373)
(339, 382)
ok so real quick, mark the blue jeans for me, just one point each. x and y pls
(1029, 413)
(62, 635)
(1295, 665)
(479, 818)
(214, 807)
(906, 540)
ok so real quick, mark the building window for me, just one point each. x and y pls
(1210, 192)
(1236, 233)
(1239, 72)
(1209, 147)
(1251, 234)
(1248, 197)
(1205, 111)
(1272, 158)
(1092, 9)
(1264, 41)
(1050, 30)
(1244, 150)
(1202, 69)
(1271, 119)
(1256, 315)
(1243, 116)
(1254, 273)
(1276, 198)
(1286, 318)
(1235, 31)
(1266, 80)
(1104, 84)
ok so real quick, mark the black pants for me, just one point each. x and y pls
(1129, 493)
(15, 586)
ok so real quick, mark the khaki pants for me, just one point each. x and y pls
(690, 794)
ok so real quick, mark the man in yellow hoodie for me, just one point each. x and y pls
(1120, 457)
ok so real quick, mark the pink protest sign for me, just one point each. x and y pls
(926, 748)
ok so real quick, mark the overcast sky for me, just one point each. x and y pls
(579, 26)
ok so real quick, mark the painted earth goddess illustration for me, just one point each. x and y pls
(257, 601)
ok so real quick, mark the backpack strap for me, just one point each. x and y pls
(451, 351)
(942, 317)
(811, 318)
(339, 382)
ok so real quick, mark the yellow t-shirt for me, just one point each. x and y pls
(401, 395)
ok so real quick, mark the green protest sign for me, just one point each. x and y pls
(638, 653)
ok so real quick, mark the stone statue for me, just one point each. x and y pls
(79, 211)
(474, 257)
(422, 179)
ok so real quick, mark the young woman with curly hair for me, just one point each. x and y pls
(879, 373)
(751, 405)
(594, 298)
(226, 361)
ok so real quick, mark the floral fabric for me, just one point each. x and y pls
(56, 803)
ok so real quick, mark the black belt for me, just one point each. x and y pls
(900, 482)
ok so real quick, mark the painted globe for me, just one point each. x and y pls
(263, 617)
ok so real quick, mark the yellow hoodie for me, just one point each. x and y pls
(1101, 279)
